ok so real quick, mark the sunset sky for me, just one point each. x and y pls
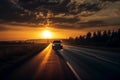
(28, 19)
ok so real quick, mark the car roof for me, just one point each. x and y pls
(56, 41)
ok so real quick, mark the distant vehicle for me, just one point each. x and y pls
(57, 44)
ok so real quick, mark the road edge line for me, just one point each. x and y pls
(71, 67)
(73, 70)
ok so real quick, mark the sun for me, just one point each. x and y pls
(47, 34)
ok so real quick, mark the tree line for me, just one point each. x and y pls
(106, 38)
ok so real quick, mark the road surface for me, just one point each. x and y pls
(91, 64)
(70, 63)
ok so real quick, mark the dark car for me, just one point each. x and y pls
(57, 44)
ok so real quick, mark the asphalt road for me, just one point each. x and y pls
(70, 63)
(47, 65)
(91, 64)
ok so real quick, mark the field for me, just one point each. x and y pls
(11, 53)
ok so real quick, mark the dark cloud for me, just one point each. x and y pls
(86, 25)
(37, 12)
(28, 8)
(97, 23)
(8, 11)
(64, 20)
(92, 23)
(90, 7)
(29, 4)
(63, 26)
(81, 25)
(110, 0)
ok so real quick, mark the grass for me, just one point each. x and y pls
(11, 53)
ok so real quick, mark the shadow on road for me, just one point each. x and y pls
(59, 54)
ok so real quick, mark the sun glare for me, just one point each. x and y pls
(46, 34)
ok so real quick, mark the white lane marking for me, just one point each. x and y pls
(74, 72)
(70, 66)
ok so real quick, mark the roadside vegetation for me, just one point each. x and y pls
(102, 39)
(11, 52)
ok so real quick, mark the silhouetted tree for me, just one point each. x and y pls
(109, 33)
(118, 34)
(99, 36)
(76, 40)
(71, 38)
(94, 36)
(88, 36)
(105, 38)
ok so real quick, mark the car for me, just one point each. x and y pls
(57, 44)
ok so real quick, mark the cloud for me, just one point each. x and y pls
(63, 14)
(19, 9)
(3, 28)
(110, 0)
(64, 20)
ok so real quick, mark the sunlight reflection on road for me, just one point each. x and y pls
(45, 54)
(46, 65)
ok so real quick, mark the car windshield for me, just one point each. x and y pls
(56, 41)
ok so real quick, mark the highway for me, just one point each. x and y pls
(70, 63)
(91, 64)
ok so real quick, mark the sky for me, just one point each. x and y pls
(27, 19)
